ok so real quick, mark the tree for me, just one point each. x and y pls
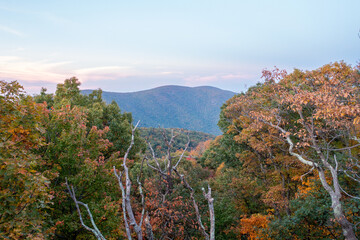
(166, 170)
(84, 136)
(135, 221)
(311, 216)
(127, 208)
(24, 190)
(317, 114)
(68, 93)
(78, 155)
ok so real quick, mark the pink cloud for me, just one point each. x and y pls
(210, 79)
(104, 72)
(236, 76)
(13, 67)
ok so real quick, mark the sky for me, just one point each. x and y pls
(125, 46)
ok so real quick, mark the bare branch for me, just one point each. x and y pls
(142, 194)
(210, 200)
(356, 180)
(348, 194)
(356, 139)
(132, 141)
(341, 149)
(291, 144)
(148, 228)
(123, 204)
(197, 212)
(154, 157)
(126, 193)
(182, 154)
(94, 230)
(301, 177)
(336, 163)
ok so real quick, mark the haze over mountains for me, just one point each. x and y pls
(192, 108)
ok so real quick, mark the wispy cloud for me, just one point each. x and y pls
(201, 79)
(171, 73)
(5, 59)
(104, 72)
(16, 68)
(46, 15)
(209, 79)
(45, 73)
(101, 69)
(11, 31)
(236, 76)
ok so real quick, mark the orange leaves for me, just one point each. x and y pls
(356, 120)
(274, 75)
(289, 122)
(219, 169)
(22, 186)
(200, 148)
(253, 225)
(275, 196)
(22, 171)
(307, 186)
(306, 105)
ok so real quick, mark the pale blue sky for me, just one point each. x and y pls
(134, 45)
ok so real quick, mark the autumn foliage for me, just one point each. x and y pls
(24, 191)
(297, 123)
(285, 167)
(252, 226)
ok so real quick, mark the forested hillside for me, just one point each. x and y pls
(195, 108)
(286, 165)
(155, 136)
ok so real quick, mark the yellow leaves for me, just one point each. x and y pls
(307, 186)
(219, 169)
(253, 225)
(356, 120)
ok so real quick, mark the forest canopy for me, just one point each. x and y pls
(285, 167)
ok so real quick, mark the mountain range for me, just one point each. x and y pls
(192, 108)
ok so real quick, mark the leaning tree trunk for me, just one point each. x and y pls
(334, 191)
(346, 226)
(336, 205)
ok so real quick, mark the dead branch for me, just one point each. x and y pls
(94, 230)
(126, 194)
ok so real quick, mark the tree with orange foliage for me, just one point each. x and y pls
(317, 114)
(24, 190)
(253, 225)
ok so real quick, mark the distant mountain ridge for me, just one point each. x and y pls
(192, 108)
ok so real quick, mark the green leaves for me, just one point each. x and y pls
(24, 192)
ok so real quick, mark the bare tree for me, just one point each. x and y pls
(94, 229)
(128, 213)
(166, 173)
(125, 184)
